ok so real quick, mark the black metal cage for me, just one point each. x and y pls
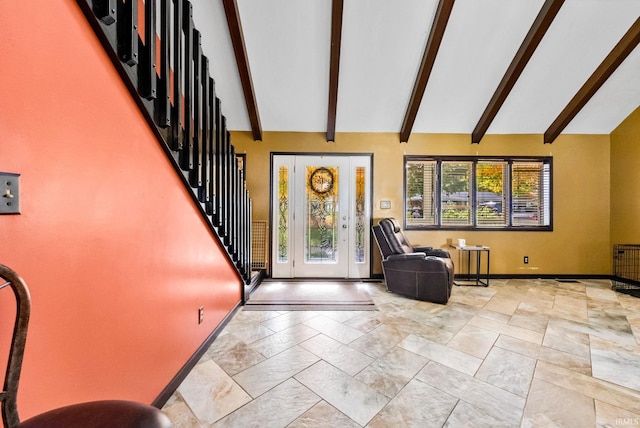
(626, 269)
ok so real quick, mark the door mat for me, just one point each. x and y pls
(311, 296)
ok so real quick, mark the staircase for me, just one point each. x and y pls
(185, 117)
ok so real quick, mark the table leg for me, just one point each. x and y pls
(478, 253)
(487, 283)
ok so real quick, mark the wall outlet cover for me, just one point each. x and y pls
(9, 193)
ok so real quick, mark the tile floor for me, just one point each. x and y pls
(520, 353)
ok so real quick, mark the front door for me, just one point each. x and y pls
(321, 207)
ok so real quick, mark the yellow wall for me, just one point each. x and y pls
(625, 181)
(579, 244)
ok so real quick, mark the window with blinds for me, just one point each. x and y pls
(420, 190)
(478, 193)
(456, 204)
(492, 208)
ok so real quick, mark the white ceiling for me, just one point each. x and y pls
(288, 47)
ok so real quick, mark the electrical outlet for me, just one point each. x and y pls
(200, 314)
(526, 260)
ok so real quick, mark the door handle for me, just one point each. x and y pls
(344, 226)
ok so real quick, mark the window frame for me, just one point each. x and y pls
(473, 197)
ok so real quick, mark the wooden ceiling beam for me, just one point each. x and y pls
(242, 60)
(428, 59)
(334, 67)
(618, 54)
(530, 43)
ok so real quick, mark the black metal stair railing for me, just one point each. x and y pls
(158, 54)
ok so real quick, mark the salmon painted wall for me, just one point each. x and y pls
(114, 251)
(625, 181)
(579, 243)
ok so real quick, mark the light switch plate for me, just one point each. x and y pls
(385, 205)
(9, 193)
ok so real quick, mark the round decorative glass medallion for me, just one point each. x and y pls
(321, 180)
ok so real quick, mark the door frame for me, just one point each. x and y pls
(272, 189)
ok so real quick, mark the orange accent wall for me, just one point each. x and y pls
(114, 251)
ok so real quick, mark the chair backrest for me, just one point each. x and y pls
(383, 245)
(8, 397)
(398, 242)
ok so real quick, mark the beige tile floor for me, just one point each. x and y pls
(520, 353)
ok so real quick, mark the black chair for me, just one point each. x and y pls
(422, 273)
(96, 414)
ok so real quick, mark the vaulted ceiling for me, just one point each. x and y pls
(423, 66)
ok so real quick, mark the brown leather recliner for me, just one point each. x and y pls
(421, 273)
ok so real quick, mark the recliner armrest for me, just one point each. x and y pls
(418, 263)
(422, 249)
(407, 256)
(439, 253)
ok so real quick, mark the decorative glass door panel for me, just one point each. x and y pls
(321, 216)
(282, 215)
